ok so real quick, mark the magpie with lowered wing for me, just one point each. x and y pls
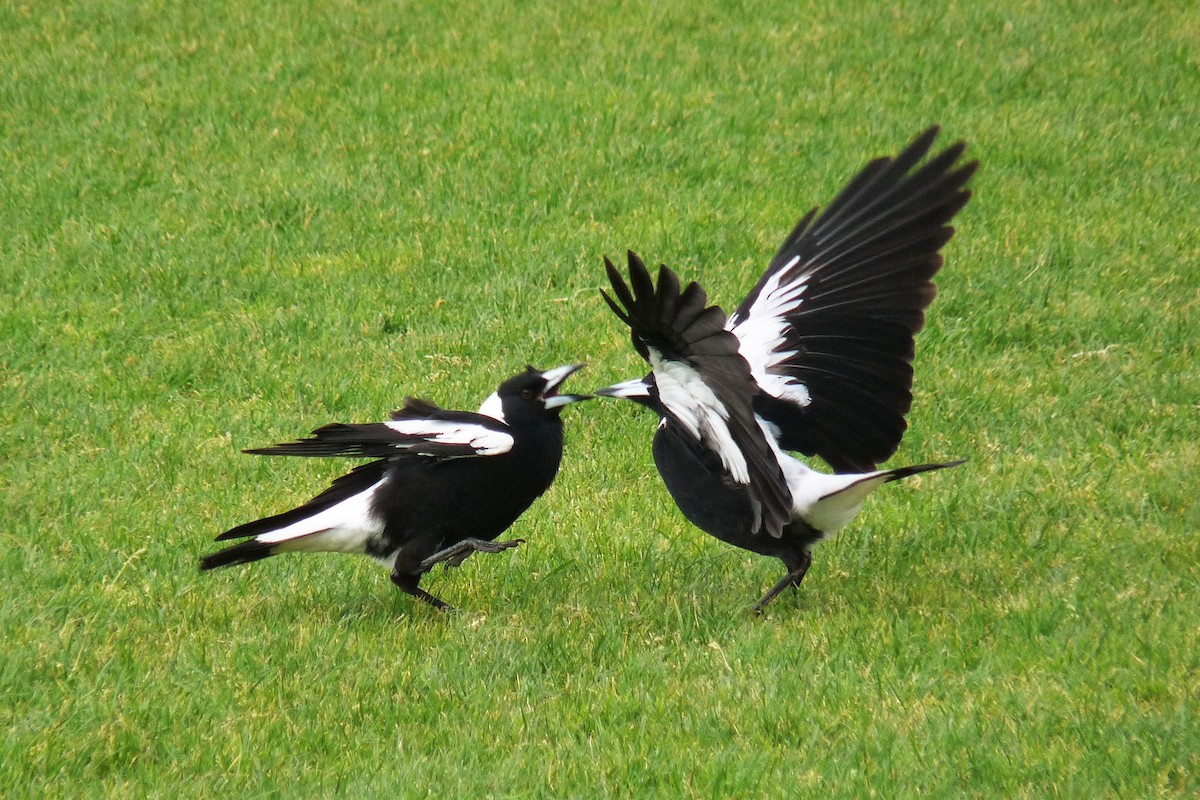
(444, 483)
(817, 359)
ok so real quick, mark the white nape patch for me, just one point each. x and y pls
(344, 527)
(689, 399)
(761, 334)
(483, 440)
(493, 407)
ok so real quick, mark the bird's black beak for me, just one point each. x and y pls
(554, 379)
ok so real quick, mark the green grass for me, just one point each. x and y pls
(226, 224)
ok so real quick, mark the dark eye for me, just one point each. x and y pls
(527, 394)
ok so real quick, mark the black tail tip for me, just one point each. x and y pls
(243, 553)
(958, 462)
(917, 469)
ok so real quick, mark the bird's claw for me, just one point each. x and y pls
(456, 554)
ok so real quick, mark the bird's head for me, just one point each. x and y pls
(531, 395)
(643, 391)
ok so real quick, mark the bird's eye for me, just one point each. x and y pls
(527, 394)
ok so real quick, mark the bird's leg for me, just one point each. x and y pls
(793, 578)
(409, 583)
(456, 554)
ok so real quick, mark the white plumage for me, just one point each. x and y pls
(481, 440)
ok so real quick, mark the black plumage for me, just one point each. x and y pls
(865, 269)
(445, 483)
(666, 321)
(817, 358)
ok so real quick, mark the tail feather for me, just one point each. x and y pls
(242, 553)
(904, 472)
(845, 493)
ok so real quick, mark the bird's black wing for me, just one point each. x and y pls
(418, 429)
(828, 330)
(703, 383)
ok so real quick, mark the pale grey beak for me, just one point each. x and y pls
(633, 389)
(554, 378)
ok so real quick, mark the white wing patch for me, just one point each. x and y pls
(482, 440)
(761, 334)
(689, 399)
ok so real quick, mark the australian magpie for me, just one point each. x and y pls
(818, 358)
(445, 483)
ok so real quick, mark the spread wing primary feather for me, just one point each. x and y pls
(828, 329)
(704, 384)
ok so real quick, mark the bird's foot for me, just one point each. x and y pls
(793, 578)
(456, 554)
(408, 583)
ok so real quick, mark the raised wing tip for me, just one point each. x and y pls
(615, 307)
(923, 141)
(639, 278)
(968, 170)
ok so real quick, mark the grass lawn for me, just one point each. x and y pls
(224, 224)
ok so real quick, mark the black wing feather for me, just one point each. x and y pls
(378, 440)
(868, 263)
(369, 440)
(684, 328)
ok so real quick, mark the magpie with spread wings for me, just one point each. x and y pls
(444, 483)
(816, 359)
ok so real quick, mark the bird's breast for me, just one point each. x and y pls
(702, 488)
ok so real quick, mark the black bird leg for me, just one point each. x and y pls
(793, 578)
(456, 554)
(409, 583)
(453, 556)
